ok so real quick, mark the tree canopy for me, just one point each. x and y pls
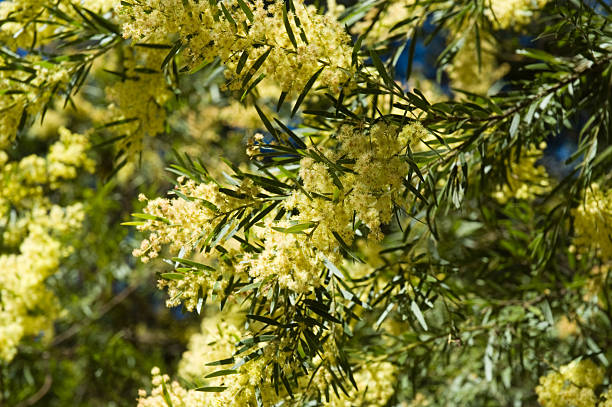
(356, 203)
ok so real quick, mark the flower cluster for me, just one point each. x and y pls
(573, 385)
(361, 179)
(29, 23)
(374, 387)
(165, 393)
(35, 235)
(31, 88)
(289, 258)
(22, 182)
(593, 221)
(137, 100)
(466, 74)
(378, 24)
(183, 224)
(369, 187)
(507, 13)
(217, 341)
(67, 156)
(184, 221)
(526, 178)
(27, 307)
(21, 28)
(207, 31)
(371, 184)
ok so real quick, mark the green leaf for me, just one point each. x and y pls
(227, 15)
(243, 58)
(192, 263)
(266, 122)
(132, 223)
(212, 389)
(166, 394)
(332, 268)
(321, 310)
(256, 339)
(414, 307)
(265, 320)
(516, 120)
(151, 217)
(281, 99)
(255, 67)
(356, 48)
(252, 86)
(172, 276)
(245, 8)
(346, 248)
(411, 51)
(305, 91)
(249, 287)
(172, 53)
(219, 373)
(221, 362)
(103, 23)
(296, 228)
(288, 27)
(381, 69)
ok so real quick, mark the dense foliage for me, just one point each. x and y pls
(365, 203)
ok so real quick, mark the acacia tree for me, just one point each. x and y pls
(388, 226)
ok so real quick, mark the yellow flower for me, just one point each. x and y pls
(573, 385)
(526, 179)
(593, 221)
(207, 33)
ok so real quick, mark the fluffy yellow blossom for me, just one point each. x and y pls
(138, 100)
(371, 190)
(30, 92)
(216, 341)
(68, 155)
(35, 236)
(22, 29)
(207, 33)
(183, 223)
(289, 258)
(27, 19)
(379, 171)
(375, 383)
(464, 71)
(593, 221)
(566, 328)
(240, 387)
(27, 307)
(526, 179)
(394, 13)
(21, 183)
(573, 385)
(173, 392)
(607, 399)
(507, 13)
(368, 189)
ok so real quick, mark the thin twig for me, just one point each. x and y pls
(35, 398)
(74, 329)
